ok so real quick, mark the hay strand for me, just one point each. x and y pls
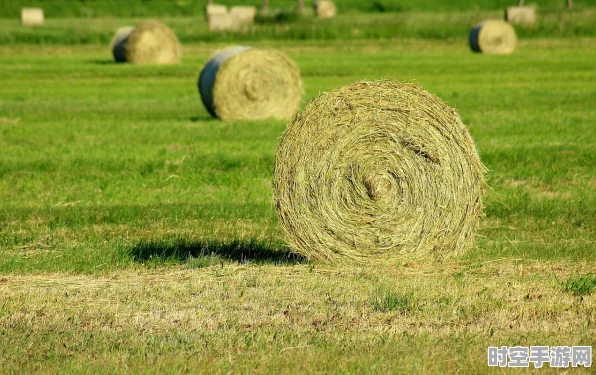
(32, 17)
(378, 172)
(246, 83)
(150, 42)
(493, 37)
(325, 9)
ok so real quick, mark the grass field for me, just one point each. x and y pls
(138, 234)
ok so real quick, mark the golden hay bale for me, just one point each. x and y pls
(32, 17)
(493, 37)
(243, 16)
(525, 16)
(378, 172)
(215, 9)
(119, 41)
(221, 22)
(149, 43)
(325, 9)
(246, 83)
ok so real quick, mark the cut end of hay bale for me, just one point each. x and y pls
(152, 43)
(32, 17)
(119, 42)
(245, 83)
(493, 37)
(325, 9)
(378, 172)
(523, 16)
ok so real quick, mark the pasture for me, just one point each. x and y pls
(138, 234)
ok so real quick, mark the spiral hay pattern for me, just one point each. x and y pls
(245, 83)
(150, 42)
(493, 37)
(378, 172)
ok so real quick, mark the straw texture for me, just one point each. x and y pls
(378, 172)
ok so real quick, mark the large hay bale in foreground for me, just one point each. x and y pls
(524, 16)
(32, 17)
(243, 16)
(150, 42)
(119, 41)
(325, 9)
(493, 37)
(246, 83)
(378, 172)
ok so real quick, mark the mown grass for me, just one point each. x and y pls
(138, 234)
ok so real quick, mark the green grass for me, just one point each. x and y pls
(138, 234)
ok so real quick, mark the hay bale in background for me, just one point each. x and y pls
(378, 172)
(32, 17)
(149, 43)
(325, 9)
(246, 83)
(243, 16)
(119, 41)
(221, 22)
(524, 16)
(493, 37)
(215, 9)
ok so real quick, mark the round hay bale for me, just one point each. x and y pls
(493, 37)
(150, 42)
(32, 17)
(119, 41)
(378, 172)
(245, 83)
(325, 9)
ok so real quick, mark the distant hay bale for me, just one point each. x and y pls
(221, 22)
(493, 37)
(246, 83)
(215, 9)
(32, 17)
(325, 9)
(119, 41)
(378, 172)
(150, 42)
(524, 16)
(243, 16)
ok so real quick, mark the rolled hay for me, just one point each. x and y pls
(221, 22)
(215, 9)
(378, 172)
(150, 42)
(243, 16)
(245, 83)
(32, 17)
(119, 41)
(325, 9)
(493, 37)
(524, 16)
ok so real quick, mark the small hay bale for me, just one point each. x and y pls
(215, 9)
(325, 9)
(493, 37)
(119, 41)
(150, 42)
(378, 172)
(246, 83)
(32, 17)
(243, 16)
(221, 22)
(523, 16)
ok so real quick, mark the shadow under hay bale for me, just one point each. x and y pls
(245, 83)
(493, 37)
(236, 251)
(378, 172)
(32, 17)
(150, 42)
